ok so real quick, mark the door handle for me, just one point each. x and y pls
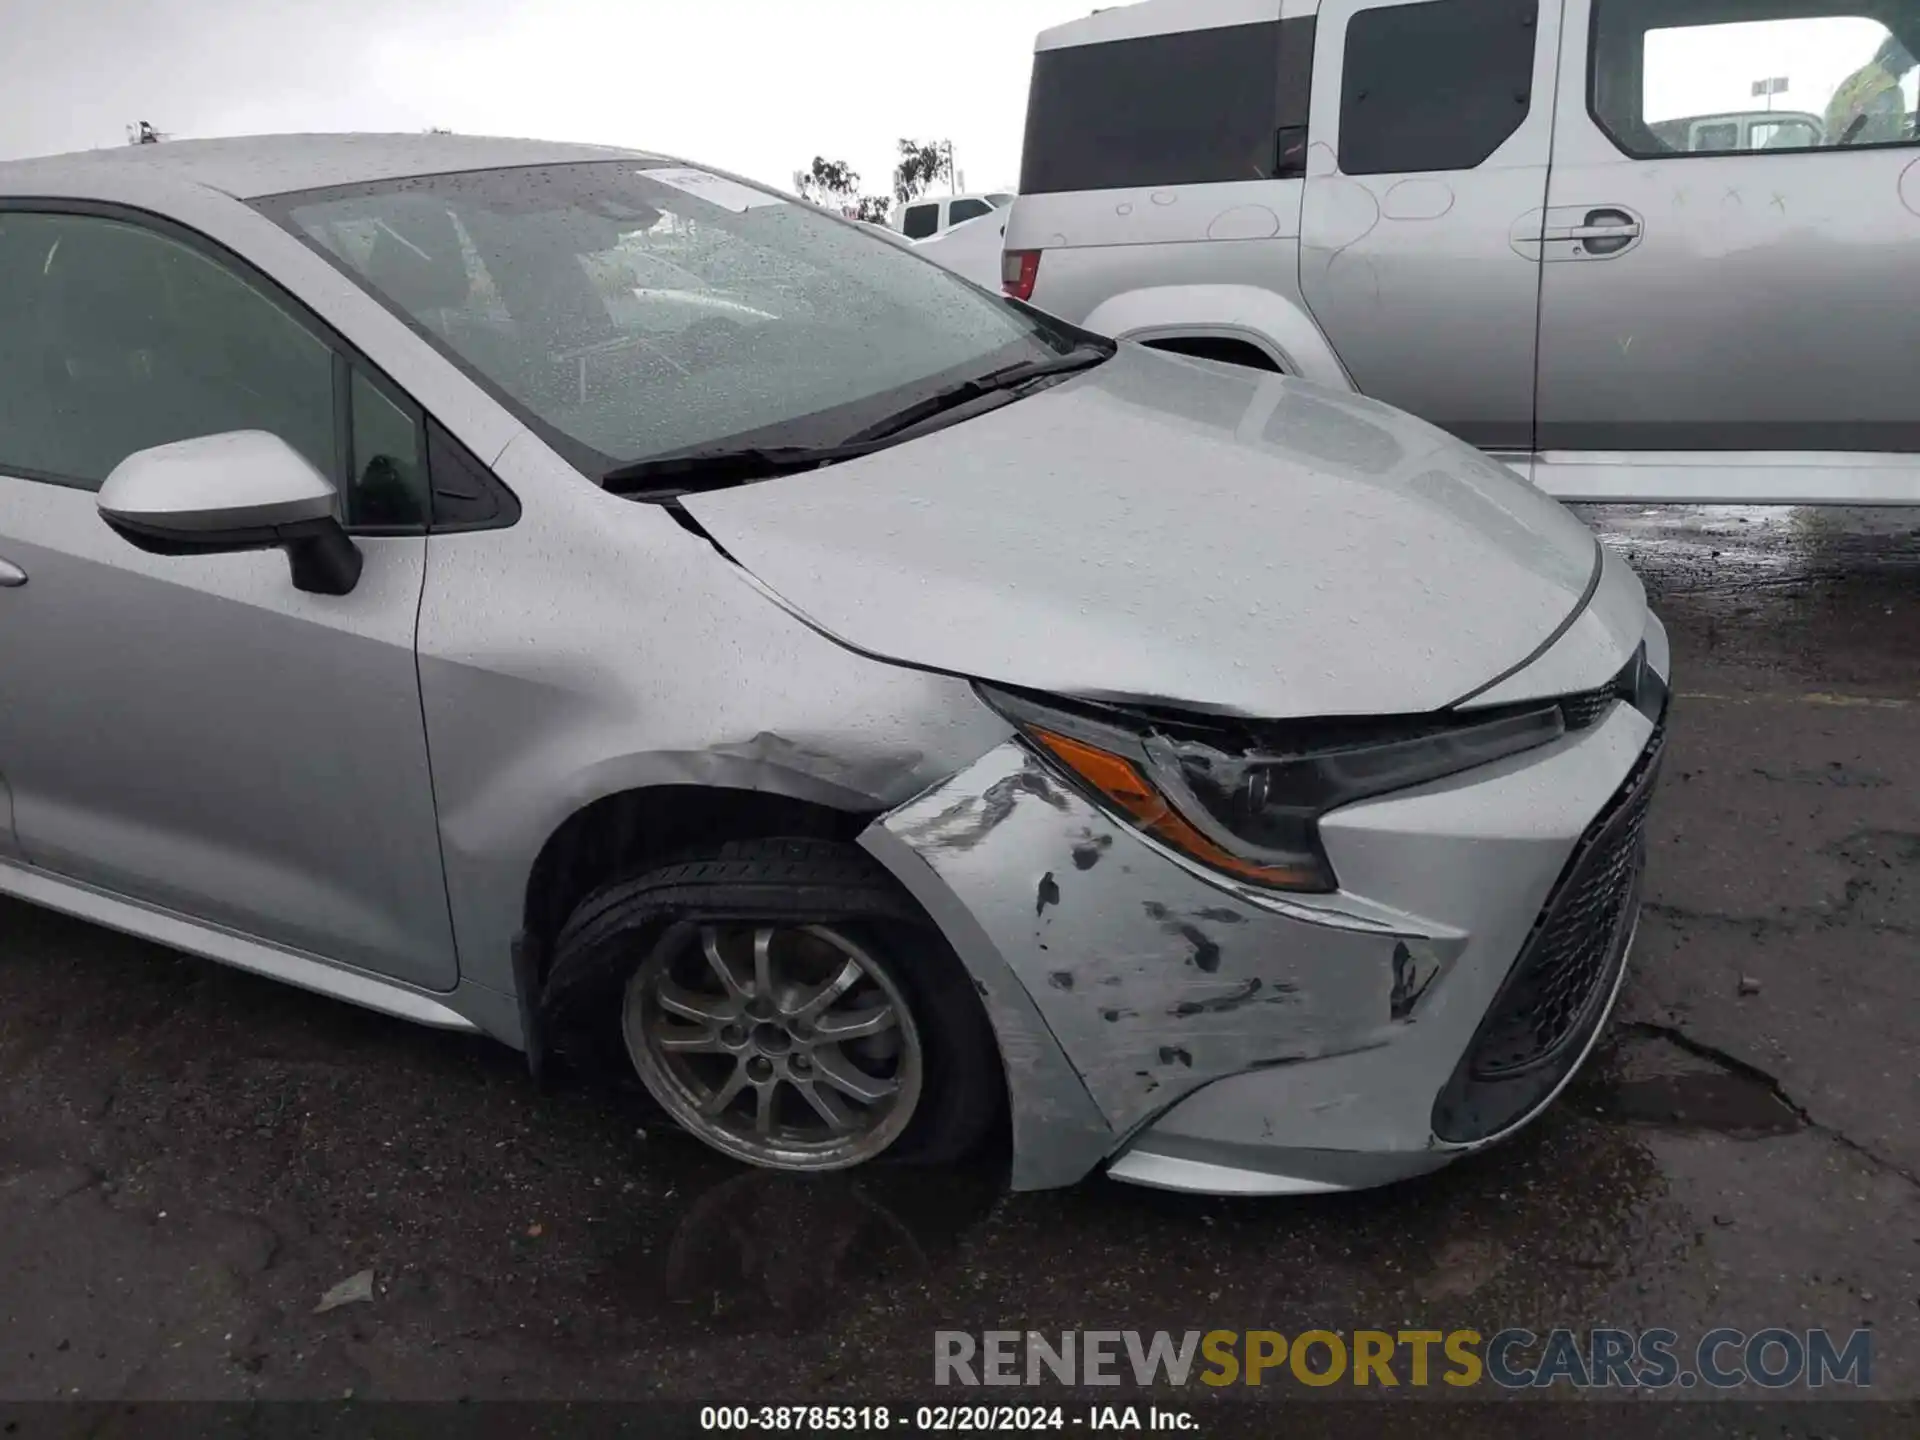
(1595, 232)
(1600, 233)
(11, 576)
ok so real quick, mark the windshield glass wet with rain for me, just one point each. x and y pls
(629, 309)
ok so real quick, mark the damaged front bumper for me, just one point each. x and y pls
(1200, 1035)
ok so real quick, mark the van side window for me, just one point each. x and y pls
(1677, 77)
(967, 210)
(1187, 108)
(1434, 86)
(920, 221)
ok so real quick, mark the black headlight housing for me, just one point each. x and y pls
(1246, 798)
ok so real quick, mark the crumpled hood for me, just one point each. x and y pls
(1177, 532)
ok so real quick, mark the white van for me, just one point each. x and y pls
(1555, 228)
(971, 249)
(932, 215)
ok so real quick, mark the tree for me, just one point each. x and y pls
(835, 185)
(922, 165)
(831, 183)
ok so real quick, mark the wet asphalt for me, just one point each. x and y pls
(191, 1157)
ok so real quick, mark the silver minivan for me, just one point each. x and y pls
(1498, 215)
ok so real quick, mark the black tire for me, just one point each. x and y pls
(792, 882)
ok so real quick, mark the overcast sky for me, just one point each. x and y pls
(756, 86)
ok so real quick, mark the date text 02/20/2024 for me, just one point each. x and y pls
(941, 1419)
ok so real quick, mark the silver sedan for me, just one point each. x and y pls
(589, 599)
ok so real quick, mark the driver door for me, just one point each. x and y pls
(192, 732)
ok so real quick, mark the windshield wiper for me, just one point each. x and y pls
(667, 476)
(1007, 377)
(718, 468)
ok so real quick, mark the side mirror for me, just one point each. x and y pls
(245, 490)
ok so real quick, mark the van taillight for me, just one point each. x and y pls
(1018, 270)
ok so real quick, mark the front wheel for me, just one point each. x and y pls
(783, 1045)
(787, 1004)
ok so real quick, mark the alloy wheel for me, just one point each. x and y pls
(785, 1046)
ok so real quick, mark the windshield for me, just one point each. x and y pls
(633, 309)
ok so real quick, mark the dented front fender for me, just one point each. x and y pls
(1118, 979)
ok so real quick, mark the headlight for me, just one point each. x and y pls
(1246, 799)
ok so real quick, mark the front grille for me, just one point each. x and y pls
(1581, 711)
(1636, 683)
(1556, 993)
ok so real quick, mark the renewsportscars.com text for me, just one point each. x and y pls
(1513, 1359)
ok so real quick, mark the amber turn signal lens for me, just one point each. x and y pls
(1120, 782)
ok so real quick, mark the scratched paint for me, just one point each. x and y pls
(1153, 980)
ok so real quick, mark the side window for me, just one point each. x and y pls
(967, 210)
(1434, 86)
(1190, 107)
(920, 221)
(114, 338)
(1678, 77)
(387, 482)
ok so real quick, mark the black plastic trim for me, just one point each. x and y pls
(466, 494)
(322, 556)
(1460, 1110)
(1871, 437)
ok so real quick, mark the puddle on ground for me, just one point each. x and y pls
(1739, 547)
(1729, 1104)
(763, 1250)
(1651, 1080)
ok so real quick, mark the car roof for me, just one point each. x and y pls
(1168, 17)
(252, 166)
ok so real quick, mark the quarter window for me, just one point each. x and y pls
(967, 210)
(1187, 108)
(920, 221)
(1680, 77)
(1439, 85)
(115, 338)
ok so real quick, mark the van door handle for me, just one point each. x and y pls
(1596, 232)
(1600, 233)
(12, 577)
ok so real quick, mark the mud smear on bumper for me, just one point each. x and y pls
(1090, 850)
(1245, 994)
(1204, 949)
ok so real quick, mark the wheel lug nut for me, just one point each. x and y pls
(733, 1035)
(760, 1068)
(800, 1064)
